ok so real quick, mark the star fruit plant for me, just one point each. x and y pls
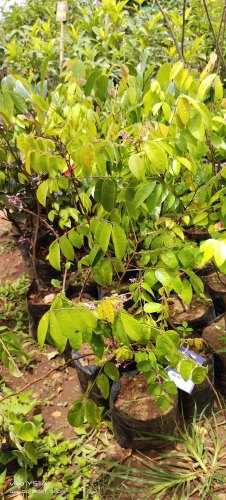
(119, 172)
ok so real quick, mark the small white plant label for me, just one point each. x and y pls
(174, 375)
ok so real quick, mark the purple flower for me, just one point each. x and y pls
(15, 201)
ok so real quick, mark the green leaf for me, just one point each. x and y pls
(98, 190)
(91, 81)
(170, 387)
(163, 75)
(119, 240)
(157, 157)
(105, 229)
(155, 389)
(186, 256)
(183, 109)
(152, 307)
(2, 478)
(111, 371)
(54, 255)
(14, 370)
(56, 333)
(103, 384)
(75, 238)
(199, 374)
(220, 252)
(108, 195)
(20, 476)
(40, 102)
(27, 432)
(207, 247)
(78, 70)
(31, 453)
(101, 85)
(218, 89)
(162, 276)
(75, 339)
(66, 248)
(88, 156)
(102, 272)
(205, 86)
(42, 192)
(185, 368)
(196, 126)
(176, 69)
(97, 345)
(169, 258)
(196, 283)
(132, 327)
(143, 193)
(43, 329)
(137, 166)
(186, 292)
(164, 403)
(144, 366)
(93, 413)
(199, 219)
(75, 415)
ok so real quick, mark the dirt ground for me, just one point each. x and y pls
(59, 388)
(55, 387)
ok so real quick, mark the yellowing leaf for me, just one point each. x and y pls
(220, 252)
(183, 109)
(218, 89)
(106, 310)
(205, 86)
(210, 66)
(157, 157)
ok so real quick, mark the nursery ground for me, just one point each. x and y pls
(56, 385)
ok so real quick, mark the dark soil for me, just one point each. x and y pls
(11, 264)
(217, 282)
(90, 358)
(212, 335)
(134, 399)
(196, 309)
(43, 296)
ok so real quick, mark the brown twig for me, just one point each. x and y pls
(212, 156)
(34, 269)
(58, 367)
(183, 27)
(43, 221)
(84, 284)
(168, 24)
(218, 49)
(63, 153)
(18, 160)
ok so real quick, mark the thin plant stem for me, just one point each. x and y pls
(64, 279)
(218, 49)
(34, 269)
(169, 27)
(43, 221)
(183, 27)
(58, 367)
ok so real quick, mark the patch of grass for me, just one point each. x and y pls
(13, 304)
(6, 240)
(196, 466)
(4, 230)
